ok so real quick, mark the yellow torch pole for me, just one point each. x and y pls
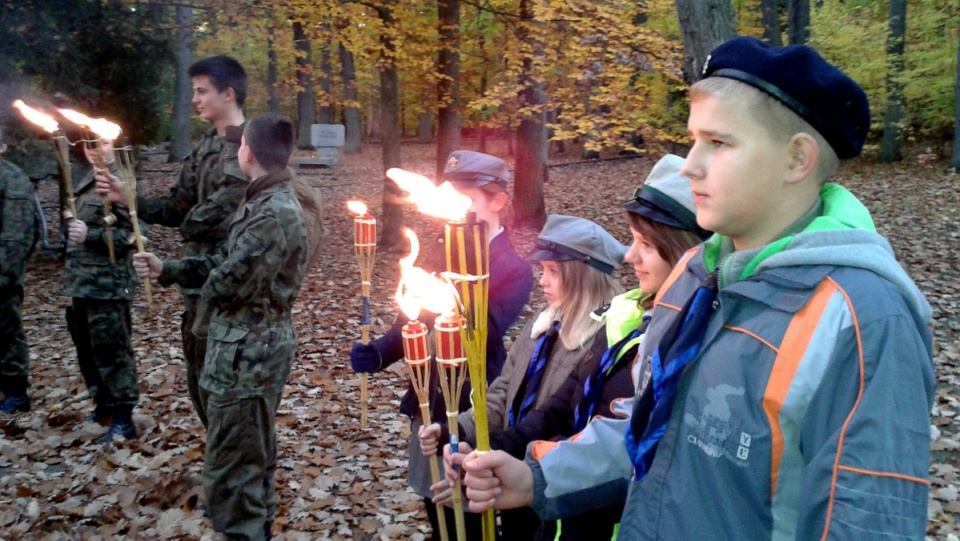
(467, 254)
(365, 245)
(108, 218)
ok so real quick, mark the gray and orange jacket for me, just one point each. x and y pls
(805, 414)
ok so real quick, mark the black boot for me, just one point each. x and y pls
(121, 425)
(15, 399)
(102, 415)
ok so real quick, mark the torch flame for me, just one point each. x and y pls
(44, 121)
(357, 207)
(108, 131)
(440, 201)
(420, 289)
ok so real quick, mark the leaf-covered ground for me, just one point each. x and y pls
(335, 479)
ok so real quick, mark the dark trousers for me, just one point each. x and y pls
(14, 358)
(101, 333)
(194, 351)
(240, 463)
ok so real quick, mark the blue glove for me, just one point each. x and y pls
(364, 358)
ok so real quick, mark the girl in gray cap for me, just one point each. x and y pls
(577, 258)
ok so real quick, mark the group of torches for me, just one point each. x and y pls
(460, 296)
(100, 130)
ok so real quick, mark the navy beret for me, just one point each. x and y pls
(801, 79)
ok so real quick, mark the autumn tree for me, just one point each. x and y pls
(704, 24)
(798, 21)
(180, 141)
(892, 131)
(448, 83)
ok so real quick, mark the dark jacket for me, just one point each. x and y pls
(511, 280)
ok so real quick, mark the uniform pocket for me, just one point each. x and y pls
(224, 353)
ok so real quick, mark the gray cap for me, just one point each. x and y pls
(566, 238)
(666, 197)
(468, 169)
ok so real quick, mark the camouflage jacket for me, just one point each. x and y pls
(251, 284)
(203, 200)
(87, 270)
(16, 223)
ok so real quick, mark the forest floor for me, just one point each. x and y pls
(335, 479)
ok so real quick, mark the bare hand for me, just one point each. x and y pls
(429, 438)
(77, 232)
(496, 480)
(451, 459)
(442, 493)
(109, 186)
(147, 265)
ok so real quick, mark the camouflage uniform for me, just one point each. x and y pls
(202, 204)
(250, 286)
(16, 240)
(99, 317)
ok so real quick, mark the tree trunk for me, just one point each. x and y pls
(770, 13)
(798, 21)
(272, 72)
(482, 143)
(351, 113)
(955, 156)
(325, 112)
(305, 82)
(392, 219)
(892, 131)
(530, 171)
(425, 127)
(704, 24)
(448, 88)
(180, 144)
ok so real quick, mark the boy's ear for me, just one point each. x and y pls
(804, 156)
(230, 93)
(499, 201)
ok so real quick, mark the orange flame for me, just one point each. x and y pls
(420, 289)
(441, 201)
(357, 207)
(108, 131)
(44, 121)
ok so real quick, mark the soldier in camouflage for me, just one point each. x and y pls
(203, 201)
(99, 316)
(16, 241)
(251, 286)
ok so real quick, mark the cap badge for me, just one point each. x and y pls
(452, 162)
(706, 64)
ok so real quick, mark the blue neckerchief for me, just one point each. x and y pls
(593, 386)
(678, 347)
(535, 370)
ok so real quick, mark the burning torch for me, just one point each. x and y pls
(468, 266)
(104, 130)
(415, 286)
(62, 146)
(365, 245)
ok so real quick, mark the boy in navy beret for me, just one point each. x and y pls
(786, 380)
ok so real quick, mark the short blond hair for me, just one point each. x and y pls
(779, 120)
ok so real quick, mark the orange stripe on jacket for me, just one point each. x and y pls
(791, 351)
(542, 447)
(853, 410)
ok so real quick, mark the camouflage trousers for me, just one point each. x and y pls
(240, 462)
(194, 352)
(14, 357)
(101, 332)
